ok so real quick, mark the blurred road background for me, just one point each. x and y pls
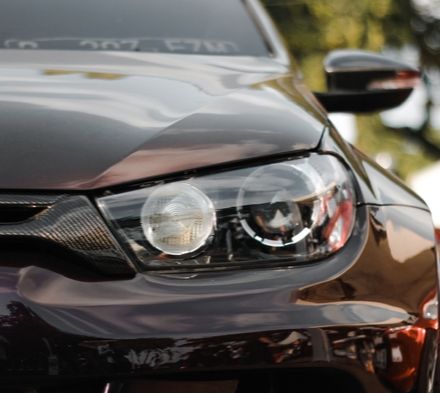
(407, 139)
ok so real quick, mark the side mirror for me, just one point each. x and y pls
(360, 81)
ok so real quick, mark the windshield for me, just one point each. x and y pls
(219, 27)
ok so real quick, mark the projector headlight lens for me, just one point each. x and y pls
(290, 210)
(294, 211)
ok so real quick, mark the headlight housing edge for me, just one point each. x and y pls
(293, 211)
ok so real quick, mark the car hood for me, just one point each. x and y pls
(88, 120)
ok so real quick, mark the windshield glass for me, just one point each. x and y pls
(218, 27)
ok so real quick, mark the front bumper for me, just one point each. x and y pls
(358, 314)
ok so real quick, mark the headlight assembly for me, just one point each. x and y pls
(293, 211)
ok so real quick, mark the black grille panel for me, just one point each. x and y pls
(68, 221)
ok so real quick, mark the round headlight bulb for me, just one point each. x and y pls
(178, 219)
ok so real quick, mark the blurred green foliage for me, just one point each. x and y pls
(312, 28)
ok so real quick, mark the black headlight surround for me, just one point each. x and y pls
(198, 261)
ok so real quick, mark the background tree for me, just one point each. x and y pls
(312, 28)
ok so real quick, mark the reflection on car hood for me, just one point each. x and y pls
(86, 120)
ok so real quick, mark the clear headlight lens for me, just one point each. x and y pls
(293, 211)
(177, 219)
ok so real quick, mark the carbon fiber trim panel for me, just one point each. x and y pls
(29, 200)
(71, 222)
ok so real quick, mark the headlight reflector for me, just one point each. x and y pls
(178, 219)
(293, 211)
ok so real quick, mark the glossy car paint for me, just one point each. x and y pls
(102, 119)
(89, 122)
(349, 312)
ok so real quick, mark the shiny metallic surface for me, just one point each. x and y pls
(377, 185)
(220, 111)
(361, 81)
(350, 313)
(76, 317)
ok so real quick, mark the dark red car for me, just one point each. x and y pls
(178, 214)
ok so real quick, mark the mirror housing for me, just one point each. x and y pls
(361, 81)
